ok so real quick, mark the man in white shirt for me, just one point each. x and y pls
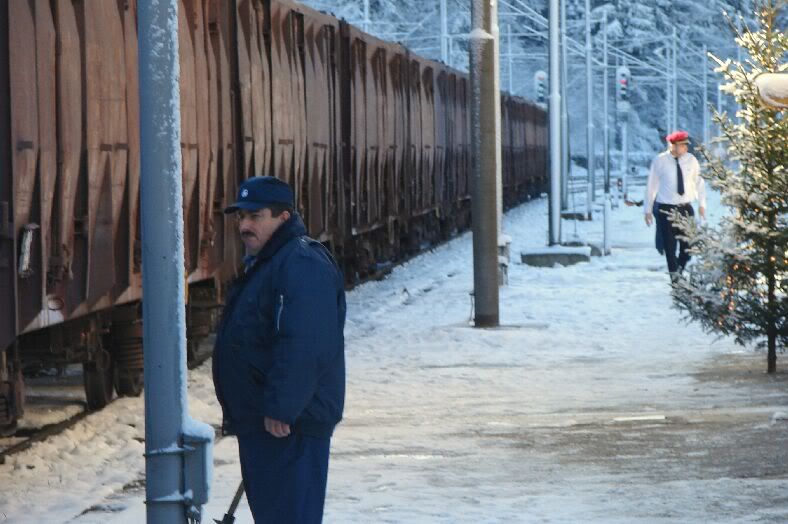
(674, 182)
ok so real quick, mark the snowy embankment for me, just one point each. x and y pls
(593, 403)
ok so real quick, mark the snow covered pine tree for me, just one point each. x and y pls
(739, 284)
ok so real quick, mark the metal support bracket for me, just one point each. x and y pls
(197, 452)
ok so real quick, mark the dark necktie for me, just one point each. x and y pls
(249, 261)
(680, 176)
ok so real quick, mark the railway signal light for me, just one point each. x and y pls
(540, 86)
(622, 87)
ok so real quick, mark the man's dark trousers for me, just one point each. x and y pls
(670, 234)
(284, 478)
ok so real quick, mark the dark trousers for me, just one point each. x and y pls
(670, 234)
(284, 478)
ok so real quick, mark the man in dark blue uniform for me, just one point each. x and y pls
(279, 365)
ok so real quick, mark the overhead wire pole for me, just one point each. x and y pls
(623, 76)
(509, 58)
(444, 32)
(485, 137)
(675, 97)
(177, 449)
(668, 91)
(554, 114)
(564, 115)
(605, 111)
(704, 64)
(719, 112)
(738, 30)
(496, 34)
(590, 149)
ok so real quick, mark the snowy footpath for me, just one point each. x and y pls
(592, 403)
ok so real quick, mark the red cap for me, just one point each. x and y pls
(678, 137)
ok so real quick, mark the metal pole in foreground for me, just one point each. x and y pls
(605, 97)
(177, 450)
(591, 164)
(485, 138)
(554, 113)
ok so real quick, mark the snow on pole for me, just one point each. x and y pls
(554, 113)
(177, 449)
(485, 139)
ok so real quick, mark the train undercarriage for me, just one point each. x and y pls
(108, 344)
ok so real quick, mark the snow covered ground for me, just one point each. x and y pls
(593, 403)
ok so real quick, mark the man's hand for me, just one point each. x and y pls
(276, 428)
(702, 212)
(650, 218)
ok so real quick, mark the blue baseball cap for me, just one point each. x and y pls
(261, 191)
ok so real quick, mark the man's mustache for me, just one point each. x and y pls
(248, 234)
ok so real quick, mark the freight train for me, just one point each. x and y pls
(374, 139)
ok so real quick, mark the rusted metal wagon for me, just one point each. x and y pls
(374, 139)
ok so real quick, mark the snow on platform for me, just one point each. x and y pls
(593, 403)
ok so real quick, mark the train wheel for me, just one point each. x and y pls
(7, 418)
(98, 377)
(129, 382)
(12, 394)
(126, 341)
(201, 318)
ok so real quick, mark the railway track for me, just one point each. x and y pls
(57, 404)
(26, 437)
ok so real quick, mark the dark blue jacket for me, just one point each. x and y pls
(280, 346)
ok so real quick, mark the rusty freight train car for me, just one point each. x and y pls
(374, 139)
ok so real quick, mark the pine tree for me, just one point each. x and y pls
(739, 285)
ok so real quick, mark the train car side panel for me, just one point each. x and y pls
(7, 236)
(24, 158)
(288, 105)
